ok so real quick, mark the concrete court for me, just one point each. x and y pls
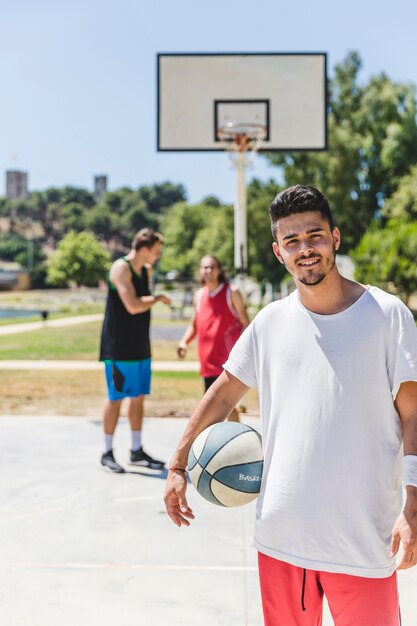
(81, 546)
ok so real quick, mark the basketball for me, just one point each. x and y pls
(225, 464)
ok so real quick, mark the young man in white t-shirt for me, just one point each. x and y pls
(335, 364)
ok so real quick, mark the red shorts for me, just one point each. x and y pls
(293, 596)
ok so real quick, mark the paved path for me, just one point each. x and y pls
(25, 327)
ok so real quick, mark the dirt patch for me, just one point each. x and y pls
(83, 393)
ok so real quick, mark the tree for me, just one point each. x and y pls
(5, 208)
(79, 259)
(154, 198)
(160, 196)
(73, 217)
(261, 260)
(114, 199)
(403, 202)
(16, 248)
(136, 217)
(386, 257)
(103, 222)
(78, 195)
(372, 144)
(211, 201)
(216, 237)
(140, 208)
(40, 201)
(189, 232)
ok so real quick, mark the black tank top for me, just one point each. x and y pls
(125, 337)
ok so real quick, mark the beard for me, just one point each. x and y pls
(314, 281)
(318, 278)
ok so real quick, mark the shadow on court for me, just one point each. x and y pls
(160, 474)
(83, 546)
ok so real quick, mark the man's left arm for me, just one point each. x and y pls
(405, 529)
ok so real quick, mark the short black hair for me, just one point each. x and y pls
(298, 199)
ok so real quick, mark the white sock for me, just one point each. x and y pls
(108, 442)
(136, 440)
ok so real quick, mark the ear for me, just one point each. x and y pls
(336, 238)
(275, 248)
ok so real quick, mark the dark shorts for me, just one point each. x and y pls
(128, 379)
(209, 381)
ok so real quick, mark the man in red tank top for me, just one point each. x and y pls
(219, 317)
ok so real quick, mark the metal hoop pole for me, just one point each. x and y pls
(241, 141)
(240, 228)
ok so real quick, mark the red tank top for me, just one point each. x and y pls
(218, 328)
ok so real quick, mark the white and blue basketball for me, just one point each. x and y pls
(225, 463)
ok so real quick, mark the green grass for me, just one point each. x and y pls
(6, 321)
(176, 375)
(78, 342)
(67, 342)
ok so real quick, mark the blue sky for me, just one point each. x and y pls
(78, 78)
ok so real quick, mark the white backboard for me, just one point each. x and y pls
(197, 93)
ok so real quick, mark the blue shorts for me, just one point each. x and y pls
(128, 379)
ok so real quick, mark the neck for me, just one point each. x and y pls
(136, 259)
(212, 285)
(333, 295)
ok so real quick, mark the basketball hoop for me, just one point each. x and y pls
(241, 137)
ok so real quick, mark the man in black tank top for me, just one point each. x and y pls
(125, 345)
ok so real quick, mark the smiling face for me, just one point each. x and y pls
(306, 246)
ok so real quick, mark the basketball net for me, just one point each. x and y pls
(238, 138)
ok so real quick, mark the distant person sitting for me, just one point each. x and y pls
(125, 345)
(219, 317)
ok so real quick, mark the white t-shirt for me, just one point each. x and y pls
(331, 486)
